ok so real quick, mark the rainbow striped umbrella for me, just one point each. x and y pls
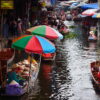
(45, 31)
(96, 15)
(34, 44)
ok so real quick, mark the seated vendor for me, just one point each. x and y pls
(12, 75)
(92, 36)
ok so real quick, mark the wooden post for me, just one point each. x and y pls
(1, 22)
(1, 27)
(29, 72)
(28, 12)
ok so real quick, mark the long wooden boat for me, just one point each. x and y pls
(95, 70)
(20, 78)
(7, 54)
(49, 56)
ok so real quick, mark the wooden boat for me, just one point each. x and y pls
(7, 54)
(20, 78)
(6, 57)
(48, 56)
(95, 70)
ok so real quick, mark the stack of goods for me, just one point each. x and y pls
(22, 68)
(18, 76)
(20, 71)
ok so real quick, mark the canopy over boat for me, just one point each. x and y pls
(90, 6)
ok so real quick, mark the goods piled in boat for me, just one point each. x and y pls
(18, 77)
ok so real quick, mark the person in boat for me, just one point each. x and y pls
(96, 66)
(96, 69)
(92, 35)
(12, 75)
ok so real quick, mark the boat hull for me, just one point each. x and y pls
(29, 85)
(94, 73)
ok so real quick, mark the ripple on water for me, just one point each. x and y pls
(74, 82)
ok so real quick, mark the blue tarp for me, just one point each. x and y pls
(53, 2)
(90, 6)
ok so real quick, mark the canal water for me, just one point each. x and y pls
(69, 76)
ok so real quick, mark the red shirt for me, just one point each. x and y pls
(98, 75)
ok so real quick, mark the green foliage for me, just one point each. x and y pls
(72, 26)
(71, 35)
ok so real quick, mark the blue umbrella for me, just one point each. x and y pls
(90, 6)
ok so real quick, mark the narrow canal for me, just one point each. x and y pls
(69, 77)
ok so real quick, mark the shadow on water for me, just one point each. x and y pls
(10, 98)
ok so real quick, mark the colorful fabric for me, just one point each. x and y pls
(12, 76)
(96, 15)
(14, 90)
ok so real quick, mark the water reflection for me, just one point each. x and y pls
(73, 60)
(45, 80)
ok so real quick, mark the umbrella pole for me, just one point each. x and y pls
(40, 61)
(30, 70)
(29, 73)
